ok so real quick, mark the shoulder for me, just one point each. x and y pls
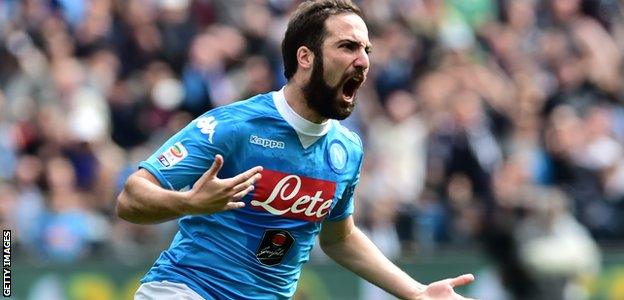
(257, 106)
(346, 150)
(351, 142)
(224, 123)
(351, 138)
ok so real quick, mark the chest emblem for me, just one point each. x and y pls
(337, 156)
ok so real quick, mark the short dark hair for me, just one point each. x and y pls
(307, 28)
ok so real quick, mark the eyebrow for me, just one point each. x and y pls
(367, 47)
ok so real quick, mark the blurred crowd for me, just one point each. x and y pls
(487, 123)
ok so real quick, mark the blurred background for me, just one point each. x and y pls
(494, 136)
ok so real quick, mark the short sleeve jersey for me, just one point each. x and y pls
(255, 252)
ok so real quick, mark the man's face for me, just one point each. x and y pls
(340, 68)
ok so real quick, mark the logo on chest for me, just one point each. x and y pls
(293, 196)
(274, 246)
(266, 143)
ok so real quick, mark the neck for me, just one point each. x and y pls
(296, 100)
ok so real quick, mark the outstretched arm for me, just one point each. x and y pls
(144, 201)
(349, 247)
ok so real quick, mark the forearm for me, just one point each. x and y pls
(144, 202)
(358, 254)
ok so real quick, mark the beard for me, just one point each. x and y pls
(323, 98)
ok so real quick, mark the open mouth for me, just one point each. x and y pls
(350, 87)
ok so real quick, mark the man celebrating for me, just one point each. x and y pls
(256, 181)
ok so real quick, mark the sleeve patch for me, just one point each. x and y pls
(173, 155)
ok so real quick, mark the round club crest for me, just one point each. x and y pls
(337, 156)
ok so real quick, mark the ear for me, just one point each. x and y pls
(305, 57)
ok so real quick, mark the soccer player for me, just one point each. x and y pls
(255, 182)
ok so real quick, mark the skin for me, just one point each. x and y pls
(144, 201)
(327, 98)
(345, 53)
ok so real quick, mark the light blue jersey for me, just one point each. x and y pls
(310, 172)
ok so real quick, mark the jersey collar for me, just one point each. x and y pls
(307, 131)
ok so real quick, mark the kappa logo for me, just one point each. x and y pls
(173, 155)
(266, 143)
(207, 126)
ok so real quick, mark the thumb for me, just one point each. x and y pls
(216, 166)
(461, 280)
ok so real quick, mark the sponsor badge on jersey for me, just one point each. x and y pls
(337, 156)
(293, 196)
(274, 246)
(173, 155)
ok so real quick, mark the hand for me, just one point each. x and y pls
(211, 194)
(443, 289)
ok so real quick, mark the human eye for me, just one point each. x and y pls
(349, 46)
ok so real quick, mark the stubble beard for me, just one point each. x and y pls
(324, 99)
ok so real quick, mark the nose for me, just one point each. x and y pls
(362, 61)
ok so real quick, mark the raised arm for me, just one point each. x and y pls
(348, 246)
(144, 201)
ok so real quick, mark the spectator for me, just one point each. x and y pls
(462, 107)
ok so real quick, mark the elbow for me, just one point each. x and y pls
(127, 210)
(122, 208)
(136, 202)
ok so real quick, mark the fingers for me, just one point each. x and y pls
(246, 184)
(216, 166)
(242, 177)
(242, 193)
(461, 280)
(234, 205)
